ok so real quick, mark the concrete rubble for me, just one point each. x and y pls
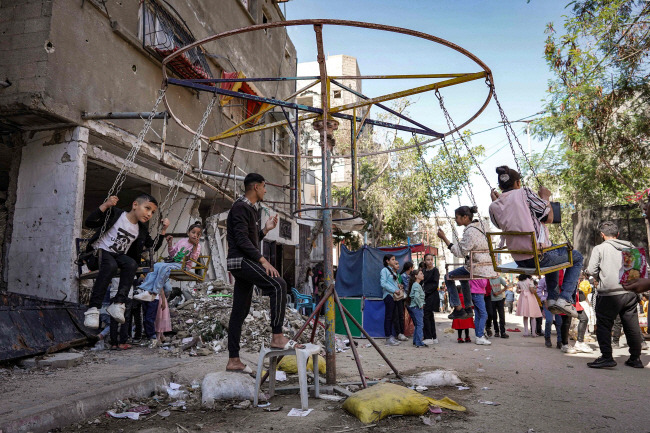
(200, 321)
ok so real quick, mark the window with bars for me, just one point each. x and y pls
(163, 34)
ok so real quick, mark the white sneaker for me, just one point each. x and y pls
(116, 311)
(582, 347)
(143, 295)
(567, 349)
(402, 337)
(429, 341)
(91, 318)
(434, 341)
(482, 341)
(566, 307)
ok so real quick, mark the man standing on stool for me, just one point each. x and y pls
(249, 267)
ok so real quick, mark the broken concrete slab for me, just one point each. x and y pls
(61, 360)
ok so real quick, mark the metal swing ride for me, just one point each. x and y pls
(325, 121)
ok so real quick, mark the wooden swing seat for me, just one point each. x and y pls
(536, 252)
(197, 272)
(472, 275)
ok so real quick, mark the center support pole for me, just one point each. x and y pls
(326, 198)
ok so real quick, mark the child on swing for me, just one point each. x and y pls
(118, 243)
(159, 277)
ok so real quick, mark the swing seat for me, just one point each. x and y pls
(536, 252)
(80, 243)
(196, 273)
(472, 274)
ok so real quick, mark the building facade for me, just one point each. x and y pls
(67, 69)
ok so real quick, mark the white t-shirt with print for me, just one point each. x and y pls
(118, 239)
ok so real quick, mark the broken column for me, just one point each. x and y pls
(48, 214)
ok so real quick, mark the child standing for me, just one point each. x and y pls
(389, 285)
(478, 289)
(163, 320)
(118, 242)
(416, 307)
(460, 324)
(159, 277)
(527, 305)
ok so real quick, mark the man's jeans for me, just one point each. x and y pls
(549, 322)
(454, 299)
(480, 313)
(571, 275)
(417, 314)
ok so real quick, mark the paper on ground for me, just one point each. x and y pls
(299, 412)
(129, 415)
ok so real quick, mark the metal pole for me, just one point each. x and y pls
(353, 346)
(353, 158)
(298, 184)
(330, 351)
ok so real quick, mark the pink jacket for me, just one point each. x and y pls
(187, 246)
(511, 213)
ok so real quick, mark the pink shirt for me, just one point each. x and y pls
(187, 246)
(478, 286)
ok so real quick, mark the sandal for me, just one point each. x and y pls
(124, 346)
(245, 370)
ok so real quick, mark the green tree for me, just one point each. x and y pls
(597, 104)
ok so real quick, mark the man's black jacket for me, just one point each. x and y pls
(243, 232)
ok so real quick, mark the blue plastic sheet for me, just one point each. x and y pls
(373, 317)
(358, 271)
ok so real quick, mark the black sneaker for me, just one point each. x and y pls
(504, 335)
(488, 332)
(634, 362)
(470, 312)
(547, 342)
(558, 345)
(602, 363)
(458, 314)
(497, 334)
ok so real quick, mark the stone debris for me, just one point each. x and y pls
(200, 316)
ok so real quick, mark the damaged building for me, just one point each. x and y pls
(78, 80)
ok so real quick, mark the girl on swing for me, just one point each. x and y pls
(159, 277)
(473, 239)
(519, 209)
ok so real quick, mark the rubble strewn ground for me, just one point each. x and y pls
(200, 319)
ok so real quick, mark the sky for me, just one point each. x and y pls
(507, 35)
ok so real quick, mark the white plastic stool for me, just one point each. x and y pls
(302, 355)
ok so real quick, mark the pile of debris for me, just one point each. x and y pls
(200, 318)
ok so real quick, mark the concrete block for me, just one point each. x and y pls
(61, 360)
(29, 40)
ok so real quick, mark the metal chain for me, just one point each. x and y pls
(130, 158)
(507, 126)
(450, 123)
(185, 164)
(430, 176)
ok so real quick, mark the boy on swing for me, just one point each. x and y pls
(119, 246)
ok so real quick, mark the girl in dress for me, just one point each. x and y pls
(460, 324)
(527, 305)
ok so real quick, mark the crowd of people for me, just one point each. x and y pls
(479, 297)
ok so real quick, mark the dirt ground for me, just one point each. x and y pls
(538, 389)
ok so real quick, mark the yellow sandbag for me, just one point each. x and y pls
(384, 399)
(290, 365)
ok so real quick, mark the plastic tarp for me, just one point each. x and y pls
(358, 271)
(373, 317)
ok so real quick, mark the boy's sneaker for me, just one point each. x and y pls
(458, 314)
(434, 341)
(482, 341)
(504, 335)
(391, 341)
(601, 362)
(144, 296)
(583, 347)
(634, 362)
(558, 345)
(91, 318)
(566, 307)
(568, 349)
(428, 342)
(547, 342)
(497, 334)
(402, 337)
(488, 332)
(116, 311)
